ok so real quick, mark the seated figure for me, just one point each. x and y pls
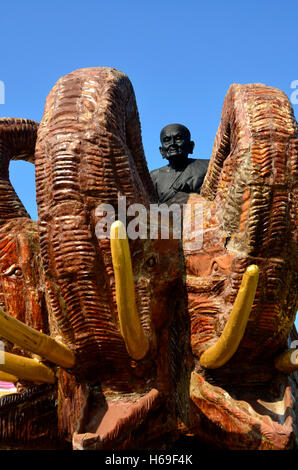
(181, 174)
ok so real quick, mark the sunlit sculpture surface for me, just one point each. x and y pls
(193, 341)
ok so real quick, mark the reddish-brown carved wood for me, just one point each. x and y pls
(89, 151)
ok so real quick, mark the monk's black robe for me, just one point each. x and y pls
(168, 181)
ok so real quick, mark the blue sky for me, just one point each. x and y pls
(180, 56)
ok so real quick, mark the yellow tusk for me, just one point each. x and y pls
(27, 369)
(38, 343)
(287, 362)
(136, 341)
(4, 377)
(218, 354)
(3, 394)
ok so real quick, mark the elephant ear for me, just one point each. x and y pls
(17, 142)
(253, 169)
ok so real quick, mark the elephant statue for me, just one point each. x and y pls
(139, 341)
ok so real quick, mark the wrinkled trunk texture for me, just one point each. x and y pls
(251, 181)
(89, 152)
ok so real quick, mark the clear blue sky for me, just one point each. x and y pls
(180, 56)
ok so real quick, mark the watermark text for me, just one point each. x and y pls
(163, 221)
(2, 92)
(294, 94)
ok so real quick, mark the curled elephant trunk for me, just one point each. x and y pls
(17, 142)
(220, 353)
(135, 339)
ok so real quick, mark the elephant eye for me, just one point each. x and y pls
(215, 267)
(151, 262)
(14, 271)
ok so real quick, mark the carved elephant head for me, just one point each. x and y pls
(89, 152)
(240, 391)
(199, 344)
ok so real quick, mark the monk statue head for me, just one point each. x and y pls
(176, 144)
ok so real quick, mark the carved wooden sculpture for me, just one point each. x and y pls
(146, 340)
(31, 413)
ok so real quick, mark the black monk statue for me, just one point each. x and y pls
(182, 174)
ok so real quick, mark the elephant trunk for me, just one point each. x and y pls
(88, 153)
(251, 181)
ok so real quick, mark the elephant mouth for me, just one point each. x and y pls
(261, 419)
(108, 422)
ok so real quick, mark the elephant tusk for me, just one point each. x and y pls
(218, 354)
(38, 343)
(4, 394)
(27, 369)
(287, 362)
(136, 341)
(5, 377)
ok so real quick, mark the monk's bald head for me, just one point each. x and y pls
(175, 143)
(175, 127)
